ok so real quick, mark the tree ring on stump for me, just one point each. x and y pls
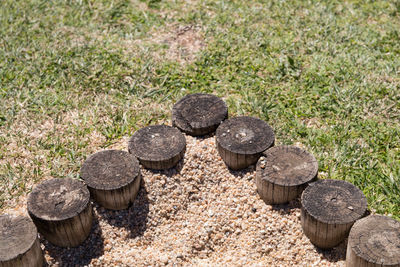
(199, 114)
(19, 243)
(374, 241)
(113, 178)
(283, 172)
(241, 140)
(61, 210)
(329, 209)
(158, 146)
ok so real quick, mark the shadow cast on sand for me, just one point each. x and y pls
(171, 171)
(82, 255)
(243, 172)
(134, 219)
(334, 254)
(204, 137)
(287, 207)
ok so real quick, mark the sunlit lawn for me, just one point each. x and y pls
(78, 76)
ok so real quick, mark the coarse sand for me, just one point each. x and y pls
(197, 214)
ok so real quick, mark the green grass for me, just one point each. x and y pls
(77, 76)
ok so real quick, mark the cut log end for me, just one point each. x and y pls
(19, 244)
(283, 172)
(199, 114)
(374, 241)
(329, 209)
(113, 178)
(158, 147)
(241, 141)
(61, 210)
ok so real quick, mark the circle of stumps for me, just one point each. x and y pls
(329, 209)
(19, 243)
(61, 210)
(283, 172)
(113, 178)
(241, 141)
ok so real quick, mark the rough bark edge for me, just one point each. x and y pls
(163, 164)
(272, 193)
(31, 258)
(236, 161)
(323, 235)
(117, 199)
(66, 233)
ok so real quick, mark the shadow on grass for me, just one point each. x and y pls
(134, 219)
(82, 255)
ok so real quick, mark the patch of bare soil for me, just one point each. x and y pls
(178, 43)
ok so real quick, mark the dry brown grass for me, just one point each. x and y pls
(29, 154)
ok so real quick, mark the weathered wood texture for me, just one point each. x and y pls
(158, 146)
(61, 210)
(241, 140)
(199, 114)
(19, 243)
(113, 178)
(374, 241)
(283, 172)
(329, 209)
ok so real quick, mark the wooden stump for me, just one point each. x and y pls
(329, 209)
(158, 146)
(374, 241)
(241, 140)
(199, 114)
(113, 178)
(19, 243)
(283, 172)
(61, 210)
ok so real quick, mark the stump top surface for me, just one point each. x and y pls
(245, 135)
(334, 201)
(376, 239)
(287, 166)
(157, 143)
(198, 111)
(17, 235)
(110, 169)
(58, 199)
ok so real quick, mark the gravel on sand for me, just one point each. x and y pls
(199, 213)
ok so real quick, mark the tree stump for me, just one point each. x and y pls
(329, 209)
(61, 210)
(241, 140)
(113, 178)
(19, 243)
(199, 114)
(374, 241)
(158, 147)
(283, 172)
